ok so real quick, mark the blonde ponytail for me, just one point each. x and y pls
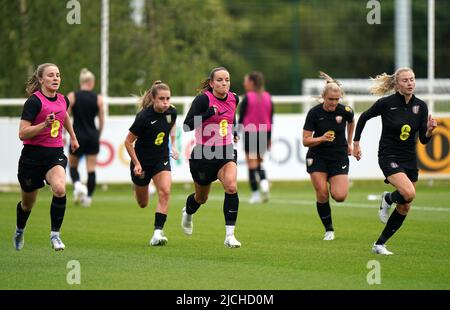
(385, 83)
(331, 84)
(86, 76)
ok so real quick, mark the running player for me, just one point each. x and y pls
(212, 115)
(42, 158)
(85, 106)
(327, 158)
(256, 116)
(403, 116)
(150, 154)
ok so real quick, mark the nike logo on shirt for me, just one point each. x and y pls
(165, 164)
(152, 122)
(395, 108)
(222, 113)
(343, 167)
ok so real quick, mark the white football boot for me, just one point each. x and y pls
(158, 238)
(56, 242)
(255, 198)
(265, 194)
(381, 249)
(186, 222)
(79, 192)
(329, 235)
(18, 239)
(383, 213)
(231, 242)
(86, 201)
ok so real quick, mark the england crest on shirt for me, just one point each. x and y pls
(338, 119)
(415, 109)
(394, 165)
(169, 118)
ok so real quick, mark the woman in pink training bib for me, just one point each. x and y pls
(42, 159)
(256, 117)
(212, 115)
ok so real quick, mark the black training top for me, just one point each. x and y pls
(153, 131)
(321, 121)
(401, 123)
(84, 112)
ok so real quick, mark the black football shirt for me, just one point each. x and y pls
(320, 121)
(401, 123)
(153, 131)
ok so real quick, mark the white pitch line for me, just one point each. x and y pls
(358, 205)
(345, 204)
(275, 200)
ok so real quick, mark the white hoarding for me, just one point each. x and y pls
(286, 161)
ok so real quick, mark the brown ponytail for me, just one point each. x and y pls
(33, 82)
(204, 85)
(258, 80)
(147, 98)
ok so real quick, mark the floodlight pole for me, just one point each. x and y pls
(431, 52)
(105, 54)
(403, 34)
(295, 69)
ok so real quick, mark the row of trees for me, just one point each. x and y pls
(180, 41)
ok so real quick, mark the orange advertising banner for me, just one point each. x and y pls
(434, 157)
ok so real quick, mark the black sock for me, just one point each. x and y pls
(230, 208)
(393, 224)
(91, 183)
(57, 209)
(395, 197)
(22, 216)
(252, 179)
(160, 219)
(262, 173)
(74, 174)
(324, 211)
(191, 204)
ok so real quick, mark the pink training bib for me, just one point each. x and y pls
(258, 114)
(49, 136)
(218, 129)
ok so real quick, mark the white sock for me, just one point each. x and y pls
(229, 230)
(264, 184)
(188, 216)
(77, 185)
(54, 234)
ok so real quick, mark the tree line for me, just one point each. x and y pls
(180, 41)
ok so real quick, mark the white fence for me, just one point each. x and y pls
(305, 100)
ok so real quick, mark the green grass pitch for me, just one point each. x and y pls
(282, 246)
